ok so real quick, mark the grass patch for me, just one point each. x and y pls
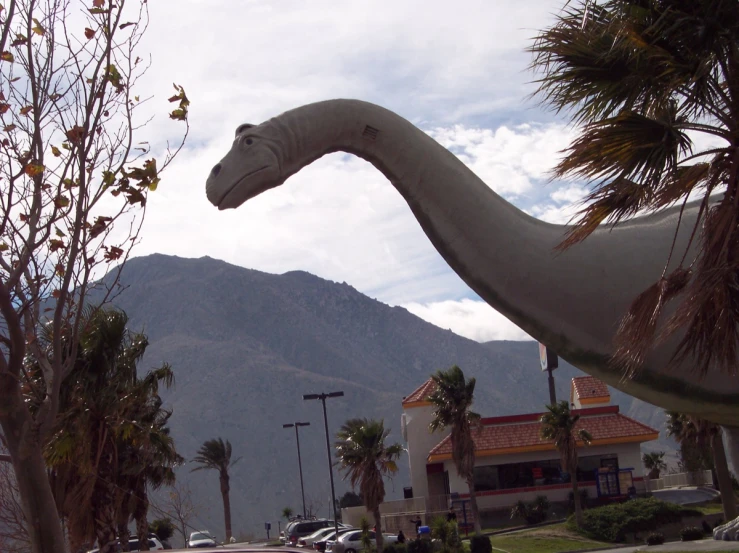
(709, 508)
(550, 539)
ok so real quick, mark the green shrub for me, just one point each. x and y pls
(447, 532)
(395, 548)
(655, 538)
(613, 522)
(480, 544)
(419, 546)
(691, 533)
(534, 512)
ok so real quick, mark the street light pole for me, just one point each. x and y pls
(300, 464)
(323, 397)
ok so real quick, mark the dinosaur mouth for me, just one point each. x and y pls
(238, 182)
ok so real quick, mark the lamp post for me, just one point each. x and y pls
(323, 397)
(300, 464)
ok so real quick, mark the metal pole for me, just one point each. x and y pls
(330, 468)
(552, 392)
(300, 468)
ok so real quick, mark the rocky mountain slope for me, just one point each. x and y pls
(246, 345)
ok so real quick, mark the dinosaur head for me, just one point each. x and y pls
(252, 166)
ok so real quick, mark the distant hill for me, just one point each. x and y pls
(246, 345)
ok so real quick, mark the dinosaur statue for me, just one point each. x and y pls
(572, 301)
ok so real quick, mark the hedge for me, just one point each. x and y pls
(613, 522)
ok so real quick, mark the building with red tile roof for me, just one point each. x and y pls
(513, 462)
(588, 391)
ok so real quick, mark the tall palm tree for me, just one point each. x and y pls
(287, 512)
(559, 425)
(146, 462)
(686, 429)
(362, 454)
(649, 82)
(215, 454)
(452, 398)
(655, 463)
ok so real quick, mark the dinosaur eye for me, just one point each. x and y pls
(249, 141)
(243, 127)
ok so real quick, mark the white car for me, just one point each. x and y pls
(133, 545)
(307, 541)
(351, 542)
(201, 539)
(322, 535)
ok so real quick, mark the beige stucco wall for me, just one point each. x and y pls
(420, 442)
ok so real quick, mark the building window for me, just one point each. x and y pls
(538, 473)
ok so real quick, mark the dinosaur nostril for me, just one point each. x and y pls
(217, 169)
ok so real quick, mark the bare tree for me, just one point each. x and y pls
(73, 190)
(13, 531)
(179, 506)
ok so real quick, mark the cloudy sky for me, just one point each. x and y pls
(458, 70)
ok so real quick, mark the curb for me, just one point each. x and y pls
(609, 547)
(525, 527)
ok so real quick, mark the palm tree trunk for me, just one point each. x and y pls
(124, 535)
(225, 489)
(142, 525)
(473, 506)
(378, 528)
(105, 525)
(576, 499)
(76, 541)
(728, 499)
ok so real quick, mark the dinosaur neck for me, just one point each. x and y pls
(572, 301)
(470, 225)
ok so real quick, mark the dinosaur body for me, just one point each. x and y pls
(571, 301)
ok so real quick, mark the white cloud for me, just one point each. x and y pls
(472, 319)
(509, 159)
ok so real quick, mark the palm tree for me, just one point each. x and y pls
(559, 425)
(648, 82)
(148, 461)
(701, 434)
(216, 454)
(654, 463)
(287, 513)
(362, 454)
(107, 417)
(452, 399)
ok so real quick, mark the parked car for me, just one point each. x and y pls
(201, 539)
(307, 541)
(320, 544)
(351, 542)
(133, 545)
(303, 528)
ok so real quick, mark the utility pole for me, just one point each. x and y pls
(549, 361)
(300, 464)
(323, 397)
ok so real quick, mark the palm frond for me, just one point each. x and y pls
(637, 77)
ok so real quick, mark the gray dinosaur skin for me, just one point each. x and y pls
(571, 301)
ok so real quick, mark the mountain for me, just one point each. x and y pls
(246, 345)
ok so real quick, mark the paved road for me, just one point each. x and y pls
(686, 495)
(699, 545)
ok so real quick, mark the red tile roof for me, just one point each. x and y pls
(605, 425)
(421, 393)
(589, 387)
